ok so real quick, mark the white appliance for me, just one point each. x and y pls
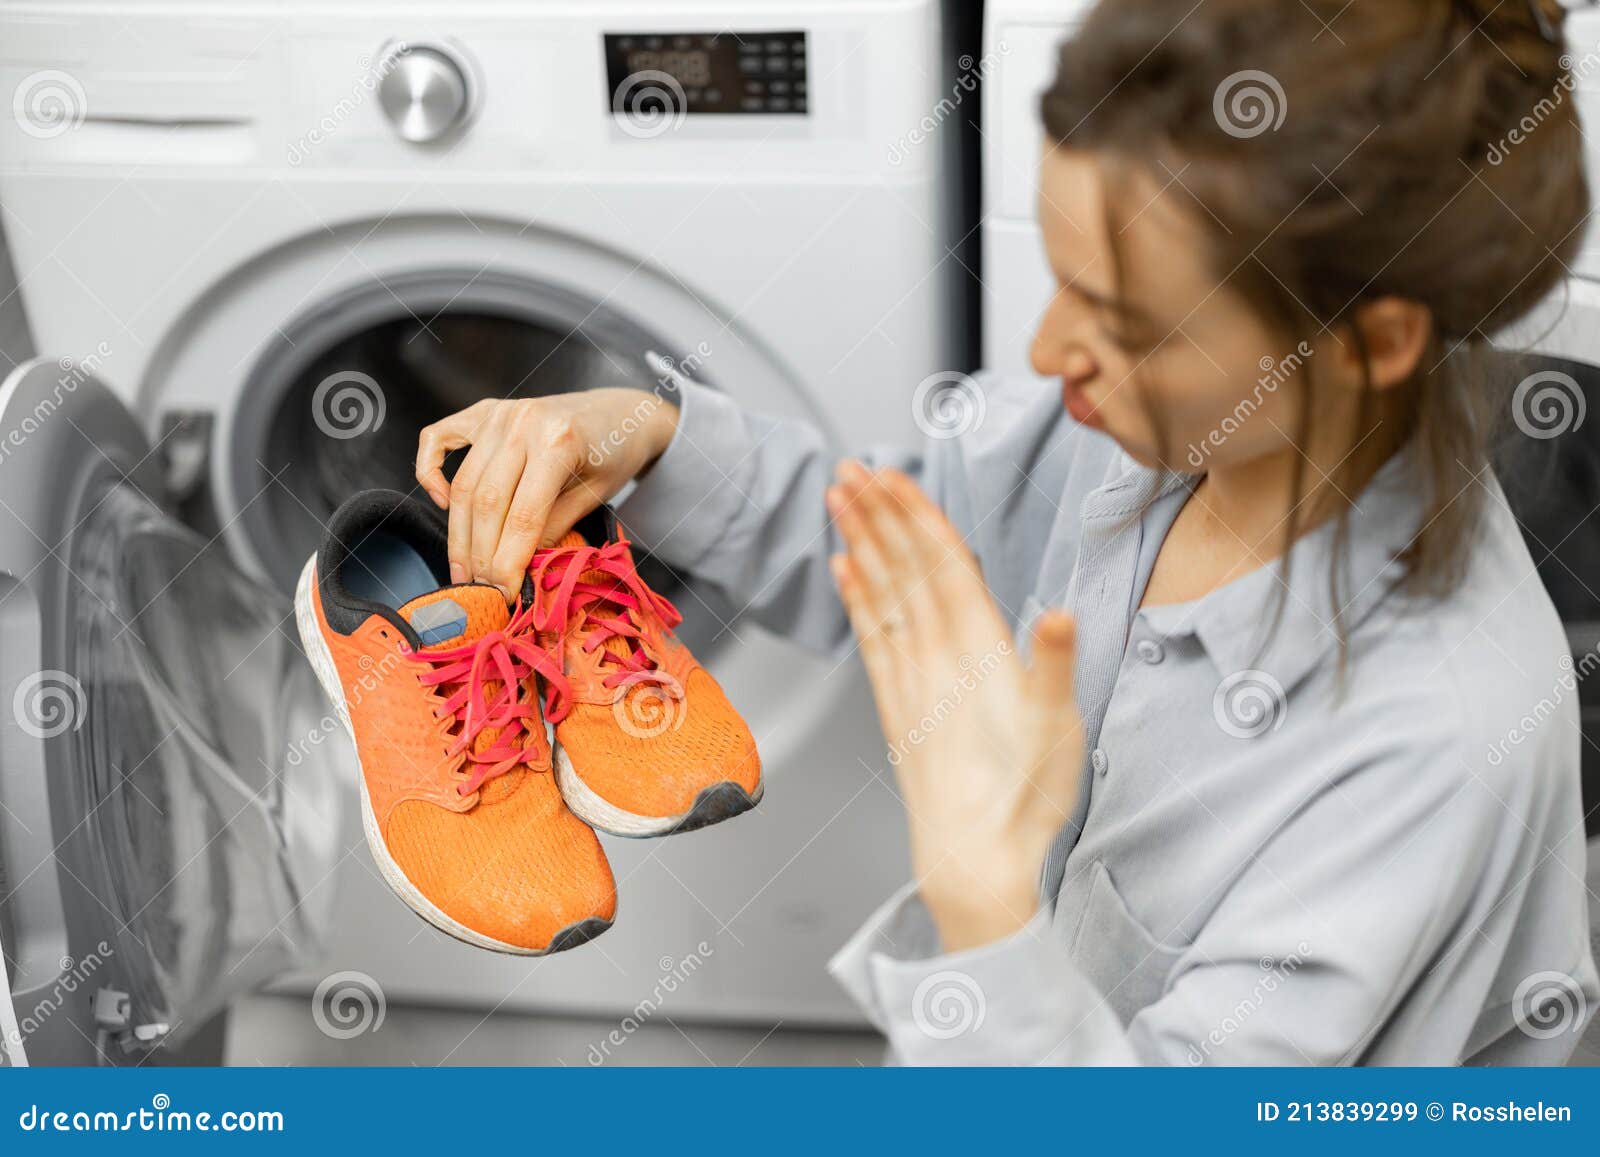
(285, 235)
(1022, 38)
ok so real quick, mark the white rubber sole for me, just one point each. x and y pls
(316, 648)
(602, 815)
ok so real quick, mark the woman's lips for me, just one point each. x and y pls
(1077, 402)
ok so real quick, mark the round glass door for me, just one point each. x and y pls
(204, 760)
(338, 407)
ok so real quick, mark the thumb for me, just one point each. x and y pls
(1055, 655)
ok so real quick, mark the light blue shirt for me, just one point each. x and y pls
(1270, 865)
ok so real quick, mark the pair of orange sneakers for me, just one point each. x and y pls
(477, 821)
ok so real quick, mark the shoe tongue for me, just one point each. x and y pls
(452, 616)
(620, 647)
(570, 539)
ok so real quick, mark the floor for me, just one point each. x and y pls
(282, 1030)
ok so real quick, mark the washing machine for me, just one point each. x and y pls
(163, 845)
(285, 236)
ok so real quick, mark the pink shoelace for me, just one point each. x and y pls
(505, 658)
(614, 605)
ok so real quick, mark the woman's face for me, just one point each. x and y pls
(1148, 346)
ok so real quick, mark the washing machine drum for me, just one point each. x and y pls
(336, 408)
(349, 420)
(168, 769)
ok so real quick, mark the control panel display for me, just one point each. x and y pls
(670, 74)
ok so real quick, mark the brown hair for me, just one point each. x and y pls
(1345, 151)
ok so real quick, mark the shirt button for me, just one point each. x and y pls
(1150, 651)
(1099, 761)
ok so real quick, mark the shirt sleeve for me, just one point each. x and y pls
(1321, 941)
(1005, 1003)
(737, 498)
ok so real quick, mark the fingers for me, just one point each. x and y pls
(491, 502)
(463, 495)
(937, 528)
(458, 430)
(526, 521)
(895, 551)
(885, 667)
(846, 501)
(576, 501)
(888, 522)
(1051, 697)
(533, 468)
(1051, 681)
(912, 557)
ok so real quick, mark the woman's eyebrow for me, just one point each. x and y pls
(1112, 304)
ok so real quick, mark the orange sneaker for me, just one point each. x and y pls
(647, 743)
(436, 686)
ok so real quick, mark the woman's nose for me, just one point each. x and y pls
(1078, 367)
(1067, 360)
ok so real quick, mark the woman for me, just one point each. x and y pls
(1252, 799)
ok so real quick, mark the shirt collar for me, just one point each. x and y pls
(1130, 488)
(1233, 622)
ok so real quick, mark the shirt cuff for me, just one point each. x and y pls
(901, 927)
(1015, 1001)
(682, 506)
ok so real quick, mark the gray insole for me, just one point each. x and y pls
(387, 569)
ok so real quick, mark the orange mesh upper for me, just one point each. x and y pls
(508, 861)
(518, 868)
(647, 744)
(651, 755)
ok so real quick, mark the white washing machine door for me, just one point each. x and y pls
(165, 811)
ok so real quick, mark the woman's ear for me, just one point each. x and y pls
(1394, 334)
